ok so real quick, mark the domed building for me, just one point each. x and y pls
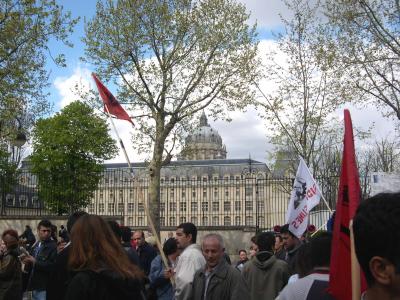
(204, 143)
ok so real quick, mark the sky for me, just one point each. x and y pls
(244, 136)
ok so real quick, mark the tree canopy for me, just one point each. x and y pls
(68, 154)
(26, 26)
(170, 60)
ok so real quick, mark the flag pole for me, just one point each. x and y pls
(355, 267)
(149, 219)
(322, 196)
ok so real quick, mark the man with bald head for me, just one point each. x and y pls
(218, 280)
(145, 252)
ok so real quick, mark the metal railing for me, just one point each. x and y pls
(259, 202)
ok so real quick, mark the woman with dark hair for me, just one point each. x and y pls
(103, 270)
(10, 267)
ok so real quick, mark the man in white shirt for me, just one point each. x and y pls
(190, 260)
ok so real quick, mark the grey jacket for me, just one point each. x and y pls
(226, 283)
(265, 275)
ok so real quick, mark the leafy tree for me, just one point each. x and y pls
(172, 59)
(68, 151)
(8, 177)
(25, 29)
(305, 87)
(365, 36)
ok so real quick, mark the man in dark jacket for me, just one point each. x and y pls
(265, 274)
(145, 252)
(58, 281)
(218, 280)
(292, 244)
(41, 261)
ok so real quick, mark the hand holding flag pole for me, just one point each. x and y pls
(112, 107)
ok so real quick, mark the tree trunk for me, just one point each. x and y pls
(154, 185)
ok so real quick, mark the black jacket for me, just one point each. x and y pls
(103, 285)
(40, 273)
(132, 255)
(10, 275)
(146, 255)
(58, 281)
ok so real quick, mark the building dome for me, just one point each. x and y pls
(204, 143)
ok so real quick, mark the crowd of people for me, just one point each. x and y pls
(96, 259)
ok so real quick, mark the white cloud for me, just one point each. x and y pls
(266, 13)
(66, 86)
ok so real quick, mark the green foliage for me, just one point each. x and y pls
(175, 58)
(25, 29)
(8, 176)
(68, 152)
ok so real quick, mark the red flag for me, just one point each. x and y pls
(110, 102)
(349, 196)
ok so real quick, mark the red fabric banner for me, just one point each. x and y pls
(349, 196)
(110, 102)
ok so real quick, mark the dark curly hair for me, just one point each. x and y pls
(376, 231)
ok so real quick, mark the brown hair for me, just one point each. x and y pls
(94, 246)
(11, 242)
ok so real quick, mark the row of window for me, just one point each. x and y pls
(248, 191)
(22, 201)
(215, 206)
(204, 221)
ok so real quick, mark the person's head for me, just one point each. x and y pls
(242, 255)
(170, 234)
(290, 241)
(265, 241)
(213, 249)
(253, 246)
(377, 241)
(115, 229)
(44, 230)
(170, 248)
(10, 238)
(186, 234)
(62, 227)
(54, 232)
(126, 234)
(278, 242)
(73, 218)
(320, 249)
(138, 237)
(27, 227)
(94, 246)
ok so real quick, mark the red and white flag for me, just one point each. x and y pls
(304, 197)
(111, 105)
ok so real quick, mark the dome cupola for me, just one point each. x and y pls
(204, 143)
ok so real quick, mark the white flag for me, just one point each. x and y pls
(304, 197)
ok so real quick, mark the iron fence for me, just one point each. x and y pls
(255, 201)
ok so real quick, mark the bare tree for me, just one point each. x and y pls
(365, 36)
